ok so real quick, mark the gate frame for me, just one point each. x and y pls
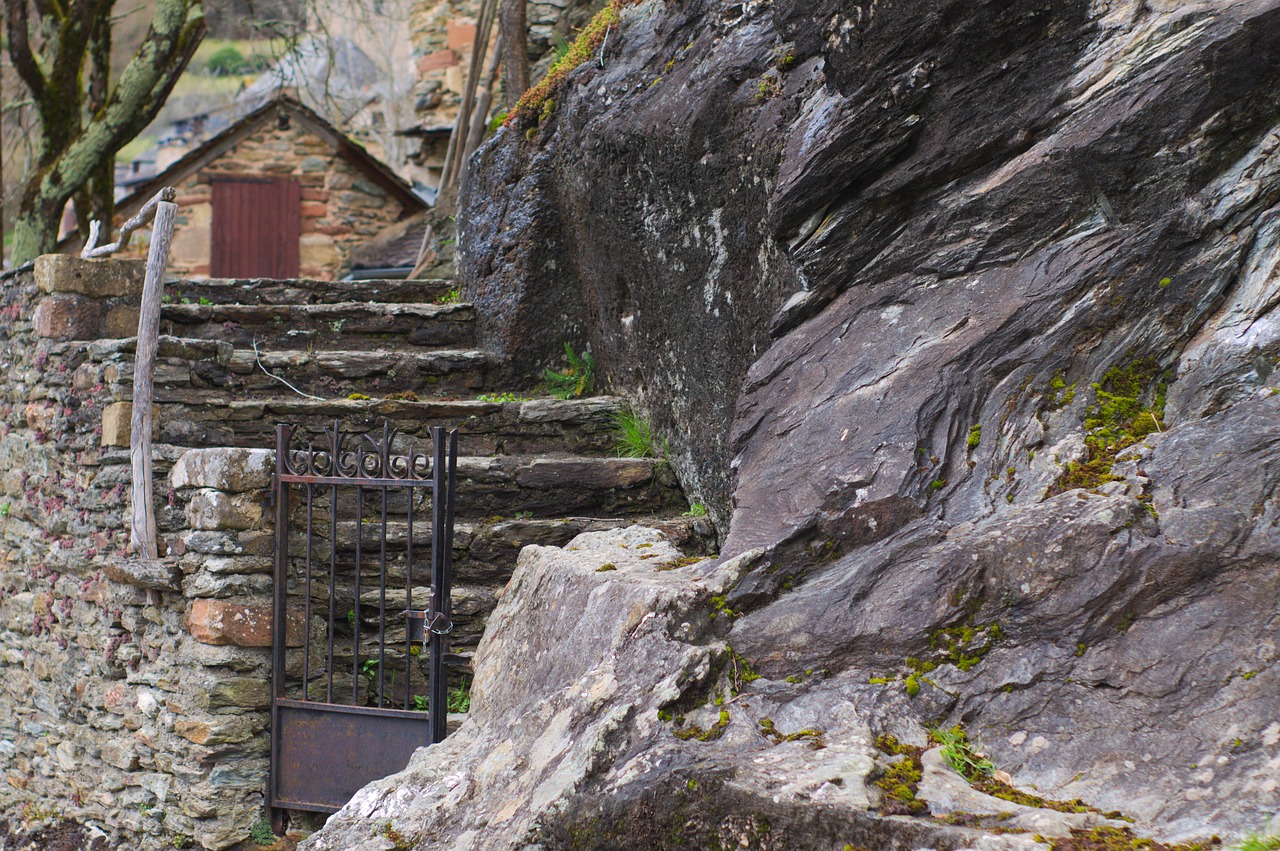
(308, 467)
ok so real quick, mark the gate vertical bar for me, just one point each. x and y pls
(438, 686)
(408, 593)
(280, 590)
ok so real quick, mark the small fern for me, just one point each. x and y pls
(578, 380)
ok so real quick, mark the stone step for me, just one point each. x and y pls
(236, 374)
(343, 326)
(581, 426)
(301, 291)
(545, 486)
(484, 558)
(484, 552)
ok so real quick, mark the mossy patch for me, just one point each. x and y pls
(700, 734)
(810, 736)
(537, 102)
(1120, 839)
(900, 780)
(1128, 405)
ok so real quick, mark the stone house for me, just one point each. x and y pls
(280, 193)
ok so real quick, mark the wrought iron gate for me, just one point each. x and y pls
(339, 722)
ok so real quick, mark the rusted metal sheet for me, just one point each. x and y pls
(328, 752)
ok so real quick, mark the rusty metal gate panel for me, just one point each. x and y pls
(347, 556)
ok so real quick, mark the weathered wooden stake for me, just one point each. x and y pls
(142, 536)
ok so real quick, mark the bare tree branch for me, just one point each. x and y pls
(24, 61)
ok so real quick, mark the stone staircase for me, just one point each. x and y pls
(237, 357)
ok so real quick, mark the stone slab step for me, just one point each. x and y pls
(547, 486)
(228, 374)
(345, 325)
(302, 291)
(582, 426)
(178, 348)
(484, 558)
(484, 551)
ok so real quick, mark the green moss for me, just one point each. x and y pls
(534, 101)
(975, 436)
(1005, 792)
(912, 685)
(1164, 282)
(937, 484)
(881, 681)
(1120, 839)
(1129, 405)
(811, 736)
(718, 604)
(699, 734)
(683, 561)
(964, 645)
(606, 567)
(901, 779)
(1060, 394)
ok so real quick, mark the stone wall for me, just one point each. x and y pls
(341, 207)
(135, 694)
(443, 32)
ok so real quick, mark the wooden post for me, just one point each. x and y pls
(515, 51)
(142, 536)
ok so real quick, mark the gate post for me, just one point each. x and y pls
(280, 590)
(444, 476)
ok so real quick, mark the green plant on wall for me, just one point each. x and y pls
(578, 380)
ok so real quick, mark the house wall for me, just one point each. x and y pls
(341, 206)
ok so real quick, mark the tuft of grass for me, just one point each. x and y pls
(633, 437)
(453, 296)
(578, 380)
(962, 753)
(1259, 842)
(261, 833)
(459, 696)
(532, 104)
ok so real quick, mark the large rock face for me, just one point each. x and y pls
(964, 312)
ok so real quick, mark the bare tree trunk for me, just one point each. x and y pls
(73, 151)
(515, 51)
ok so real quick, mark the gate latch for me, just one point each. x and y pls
(422, 622)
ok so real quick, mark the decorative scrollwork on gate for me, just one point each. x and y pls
(340, 454)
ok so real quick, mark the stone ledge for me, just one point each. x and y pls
(225, 469)
(156, 574)
(105, 278)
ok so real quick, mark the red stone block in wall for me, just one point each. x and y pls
(68, 317)
(437, 61)
(314, 209)
(460, 36)
(241, 624)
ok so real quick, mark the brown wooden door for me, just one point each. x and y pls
(256, 225)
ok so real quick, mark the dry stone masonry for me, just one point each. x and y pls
(137, 693)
